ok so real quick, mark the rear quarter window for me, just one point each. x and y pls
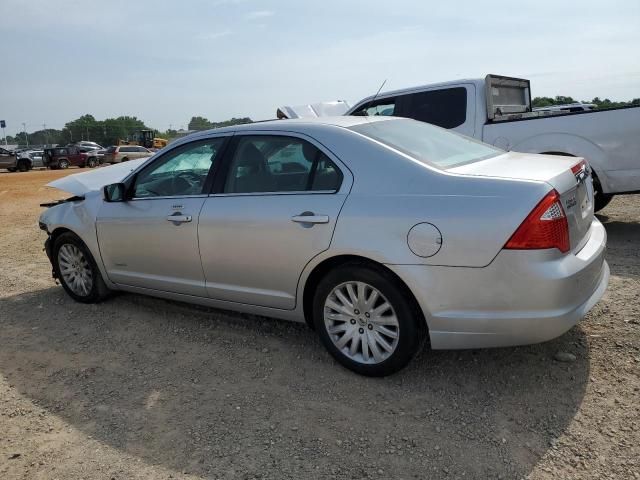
(446, 108)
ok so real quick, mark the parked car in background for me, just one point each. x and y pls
(91, 158)
(22, 160)
(497, 110)
(123, 153)
(63, 157)
(87, 144)
(33, 159)
(7, 159)
(93, 154)
(568, 107)
(379, 232)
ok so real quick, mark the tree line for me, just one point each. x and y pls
(108, 131)
(560, 100)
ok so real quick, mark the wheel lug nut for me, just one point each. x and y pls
(366, 314)
(370, 327)
(353, 321)
(357, 312)
(361, 330)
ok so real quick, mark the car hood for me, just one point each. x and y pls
(81, 183)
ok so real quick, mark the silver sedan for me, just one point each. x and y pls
(378, 232)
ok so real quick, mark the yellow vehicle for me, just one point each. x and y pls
(146, 138)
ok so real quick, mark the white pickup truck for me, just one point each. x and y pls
(497, 110)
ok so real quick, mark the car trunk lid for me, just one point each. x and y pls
(569, 176)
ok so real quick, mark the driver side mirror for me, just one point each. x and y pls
(116, 192)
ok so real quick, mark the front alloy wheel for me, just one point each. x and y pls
(75, 270)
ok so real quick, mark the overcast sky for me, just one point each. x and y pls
(165, 61)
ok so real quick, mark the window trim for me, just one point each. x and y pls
(206, 187)
(373, 102)
(221, 175)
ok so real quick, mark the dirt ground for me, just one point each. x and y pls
(144, 388)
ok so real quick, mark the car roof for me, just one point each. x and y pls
(294, 124)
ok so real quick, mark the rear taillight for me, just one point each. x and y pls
(545, 227)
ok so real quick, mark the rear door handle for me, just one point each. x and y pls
(308, 217)
(178, 218)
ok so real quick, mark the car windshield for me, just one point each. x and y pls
(427, 143)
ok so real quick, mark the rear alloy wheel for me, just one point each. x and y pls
(92, 163)
(366, 321)
(76, 269)
(63, 164)
(23, 166)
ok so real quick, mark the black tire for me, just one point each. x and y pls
(92, 162)
(12, 169)
(600, 200)
(99, 290)
(63, 164)
(411, 326)
(125, 159)
(23, 165)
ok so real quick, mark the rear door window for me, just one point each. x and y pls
(272, 163)
(446, 108)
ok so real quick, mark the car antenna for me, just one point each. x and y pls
(376, 95)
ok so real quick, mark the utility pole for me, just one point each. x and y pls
(46, 137)
(24, 129)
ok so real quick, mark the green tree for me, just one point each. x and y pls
(199, 123)
(202, 123)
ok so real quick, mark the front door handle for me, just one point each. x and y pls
(179, 218)
(310, 217)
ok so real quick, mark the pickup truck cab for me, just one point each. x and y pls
(497, 110)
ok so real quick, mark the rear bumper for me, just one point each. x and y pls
(522, 297)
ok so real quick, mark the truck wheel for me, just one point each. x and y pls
(92, 163)
(63, 164)
(600, 200)
(23, 165)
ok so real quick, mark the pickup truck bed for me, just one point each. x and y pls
(609, 139)
(497, 110)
